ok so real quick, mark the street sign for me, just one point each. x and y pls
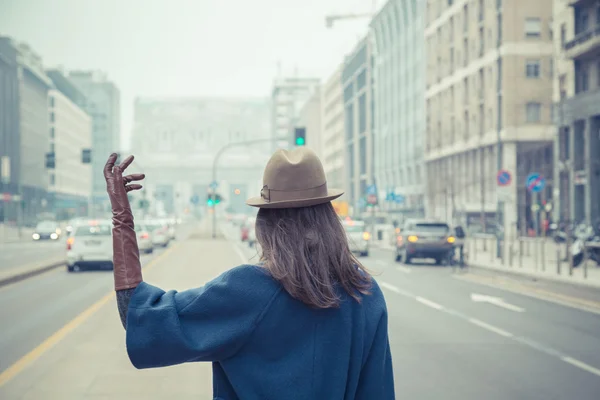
(6, 197)
(372, 199)
(535, 183)
(399, 199)
(214, 185)
(195, 199)
(372, 190)
(535, 207)
(503, 178)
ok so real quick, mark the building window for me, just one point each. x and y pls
(465, 18)
(363, 155)
(362, 113)
(52, 101)
(52, 133)
(481, 11)
(481, 42)
(451, 60)
(563, 35)
(466, 47)
(581, 77)
(51, 117)
(533, 28)
(598, 73)
(52, 179)
(582, 20)
(532, 68)
(533, 112)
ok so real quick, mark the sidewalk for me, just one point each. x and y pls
(87, 359)
(10, 234)
(536, 260)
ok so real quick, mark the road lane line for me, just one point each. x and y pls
(406, 270)
(581, 365)
(429, 303)
(490, 328)
(29, 358)
(389, 287)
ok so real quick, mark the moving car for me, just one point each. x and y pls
(46, 230)
(358, 237)
(144, 239)
(159, 232)
(90, 245)
(425, 239)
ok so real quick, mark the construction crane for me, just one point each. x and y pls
(330, 19)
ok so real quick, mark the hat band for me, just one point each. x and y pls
(270, 195)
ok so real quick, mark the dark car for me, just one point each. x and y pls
(46, 230)
(425, 239)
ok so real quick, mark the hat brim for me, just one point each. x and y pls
(259, 202)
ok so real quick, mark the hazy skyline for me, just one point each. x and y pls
(159, 48)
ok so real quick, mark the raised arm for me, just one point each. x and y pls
(126, 255)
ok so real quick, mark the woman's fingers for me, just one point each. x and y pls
(123, 166)
(134, 186)
(133, 177)
(110, 163)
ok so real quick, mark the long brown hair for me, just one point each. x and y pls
(306, 250)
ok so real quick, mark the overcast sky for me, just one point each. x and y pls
(187, 47)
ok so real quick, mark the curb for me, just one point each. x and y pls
(534, 277)
(30, 273)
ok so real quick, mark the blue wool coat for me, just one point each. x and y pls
(263, 343)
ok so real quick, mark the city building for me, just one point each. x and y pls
(70, 181)
(357, 85)
(488, 101)
(399, 81)
(309, 118)
(25, 140)
(333, 134)
(177, 141)
(103, 105)
(287, 99)
(577, 94)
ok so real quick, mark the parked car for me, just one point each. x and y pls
(46, 230)
(90, 246)
(159, 232)
(425, 239)
(358, 237)
(144, 239)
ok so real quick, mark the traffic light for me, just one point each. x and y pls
(86, 156)
(213, 199)
(300, 136)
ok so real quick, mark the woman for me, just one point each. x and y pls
(307, 322)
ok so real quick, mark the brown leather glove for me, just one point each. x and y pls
(126, 255)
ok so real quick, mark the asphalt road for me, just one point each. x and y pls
(453, 338)
(29, 252)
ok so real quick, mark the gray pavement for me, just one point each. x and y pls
(15, 255)
(453, 336)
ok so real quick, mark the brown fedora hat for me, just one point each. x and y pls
(294, 179)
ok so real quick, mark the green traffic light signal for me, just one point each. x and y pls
(299, 141)
(210, 202)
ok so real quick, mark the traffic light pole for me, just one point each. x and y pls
(214, 171)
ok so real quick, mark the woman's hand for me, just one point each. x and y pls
(126, 255)
(118, 185)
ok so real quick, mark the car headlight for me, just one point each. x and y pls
(36, 236)
(413, 238)
(54, 236)
(451, 239)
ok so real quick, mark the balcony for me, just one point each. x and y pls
(584, 45)
(579, 3)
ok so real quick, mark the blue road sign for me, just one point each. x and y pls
(214, 185)
(362, 202)
(195, 199)
(503, 178)
(399, 199)
(372, 189)
(535, 182)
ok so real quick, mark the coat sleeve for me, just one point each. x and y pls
(377, 376)
(210, 323)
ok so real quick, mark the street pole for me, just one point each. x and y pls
(214, 172)
(499, 203)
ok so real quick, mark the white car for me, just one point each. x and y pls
(144, 239)
(90, 246)
(46, 230)
(358, 237)
(159, 233)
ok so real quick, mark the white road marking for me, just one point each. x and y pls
(581, 365)
(380, 263)
(490, 328)
(497, 301)
(389, 287)
(406, 270)
(429, 303)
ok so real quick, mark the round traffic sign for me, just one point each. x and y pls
(535, 182)
(503, 178)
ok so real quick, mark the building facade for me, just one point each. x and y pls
(400, 106)
(70, 182)
(333, 134)
(28, 143)
(103, 105)
(488, 101)
(357, 83)
(309, 118)
(287, 99)
(577, 94)
(177, 141)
